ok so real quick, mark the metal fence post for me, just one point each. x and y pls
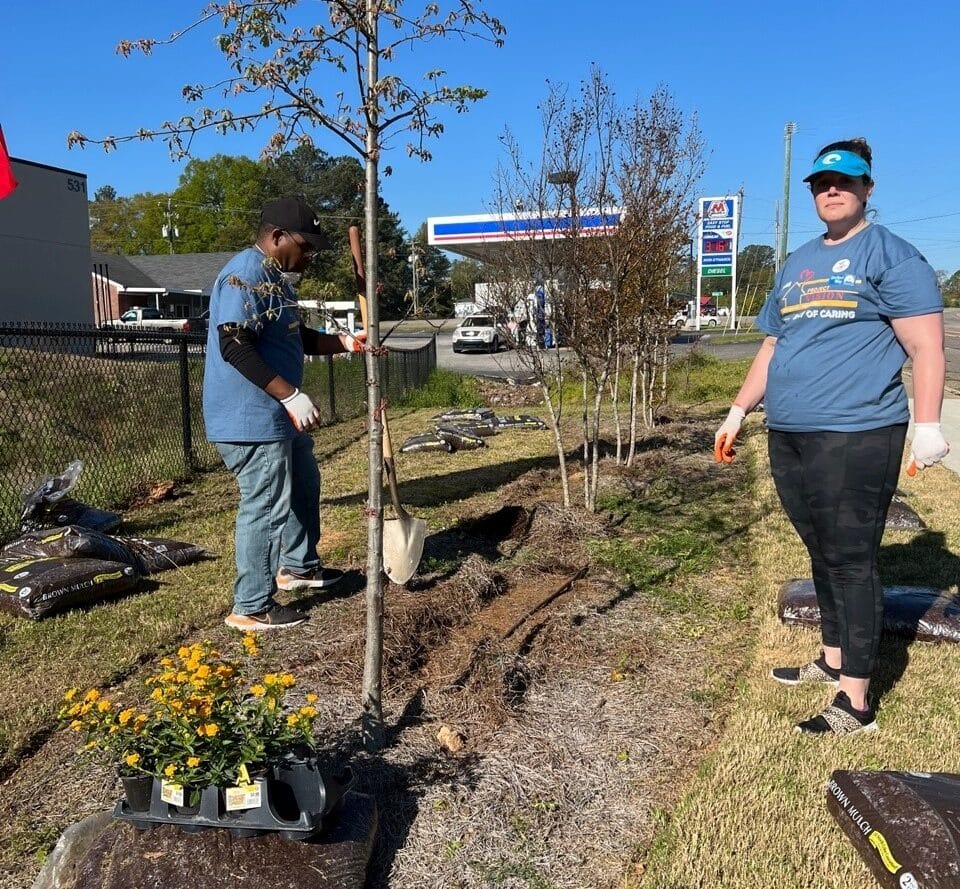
(331, 389)
(185, 408)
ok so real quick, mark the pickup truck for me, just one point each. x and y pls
(148, 319)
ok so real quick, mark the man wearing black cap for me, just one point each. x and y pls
(258, 419)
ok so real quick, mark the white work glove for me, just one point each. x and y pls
(302, 411)
(928, 446)
(353, 342)
(726, 435)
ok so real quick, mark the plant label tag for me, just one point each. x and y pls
(171, 793)
(244, 796)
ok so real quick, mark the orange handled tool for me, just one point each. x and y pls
(912, 469)
(723, 451)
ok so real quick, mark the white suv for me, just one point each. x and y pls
(478, 332)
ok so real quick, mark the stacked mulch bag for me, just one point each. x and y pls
(52, 569)
(465, 430)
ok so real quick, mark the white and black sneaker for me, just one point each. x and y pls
(277, 617)
(316, 579)
(816, 671)
(840, 718)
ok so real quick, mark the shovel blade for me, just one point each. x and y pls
(402, 547)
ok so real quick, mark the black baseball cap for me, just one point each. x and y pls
(295, 215)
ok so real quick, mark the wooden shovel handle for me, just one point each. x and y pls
(359, 273)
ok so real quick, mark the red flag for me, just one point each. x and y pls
(7, 181)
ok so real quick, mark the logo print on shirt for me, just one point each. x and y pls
(806, 274)
(841, 265)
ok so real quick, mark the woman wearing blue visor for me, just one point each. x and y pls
(846, 311)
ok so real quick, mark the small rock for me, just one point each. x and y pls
(450, 739)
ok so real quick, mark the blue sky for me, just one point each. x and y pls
(882, 70)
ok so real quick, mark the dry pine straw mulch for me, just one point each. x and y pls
(526, 746)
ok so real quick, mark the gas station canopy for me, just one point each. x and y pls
(480, 236)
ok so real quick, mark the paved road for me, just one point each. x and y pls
(505, 364)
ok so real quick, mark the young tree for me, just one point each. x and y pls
(608, 282)
(292, 68)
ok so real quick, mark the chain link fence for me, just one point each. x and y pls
(128, 404)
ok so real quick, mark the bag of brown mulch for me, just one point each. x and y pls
(159, 554)
(916, 612)
(425, 441)
(460, 439)
(520, 421)
(71, 541)
(39, 587)
(904, 825)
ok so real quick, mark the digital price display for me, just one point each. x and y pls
(717, 245)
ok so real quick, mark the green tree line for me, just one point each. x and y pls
(216, 207)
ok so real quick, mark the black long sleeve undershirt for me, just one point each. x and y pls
(238, 346)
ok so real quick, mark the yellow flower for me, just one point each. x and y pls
(74, 710)
(71, 694)
(166, 662)
(183, 652)
(287, 680)
(170, 770)
(193, 762)
(258, 690)
(208, 729)
(271, 679)
(293, 719)
(125, 716)
(92, 695)
(311, 699)
(104, 706)
(132, 759)
(76, 725)
(309, 712)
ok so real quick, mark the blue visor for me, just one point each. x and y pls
(845, 162)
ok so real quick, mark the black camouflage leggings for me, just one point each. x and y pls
(836, 488)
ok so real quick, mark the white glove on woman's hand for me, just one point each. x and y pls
(929, 446)
(726, 435)
(302, 411)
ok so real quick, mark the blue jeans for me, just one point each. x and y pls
(278, 520)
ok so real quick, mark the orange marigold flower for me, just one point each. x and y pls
(125, 716)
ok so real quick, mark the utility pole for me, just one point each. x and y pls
(170, 230)
(788, 132)
(776, 237)
(415, 291)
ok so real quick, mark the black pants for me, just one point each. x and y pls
(836, 488)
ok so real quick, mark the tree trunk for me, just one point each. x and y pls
(372, 700)
(585, 417)
(558, 441)
(634, 380)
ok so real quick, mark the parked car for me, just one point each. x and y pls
(148, 319)
(198, 323)
(481, 333)
(680, 320)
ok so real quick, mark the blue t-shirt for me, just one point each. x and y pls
(250, 293)
(836, 365)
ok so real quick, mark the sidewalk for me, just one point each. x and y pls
(950, 422)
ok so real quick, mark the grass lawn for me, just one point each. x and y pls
(755, 814)
(707, 786)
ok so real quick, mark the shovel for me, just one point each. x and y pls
(403, 536)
